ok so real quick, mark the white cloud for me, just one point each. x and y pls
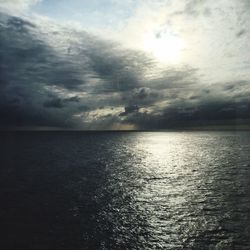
(214, 34)
(17, 5)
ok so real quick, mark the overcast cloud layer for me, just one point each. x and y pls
(60, 75)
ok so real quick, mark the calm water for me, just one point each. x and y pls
(124, 190)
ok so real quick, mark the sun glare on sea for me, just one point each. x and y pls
(164, 47)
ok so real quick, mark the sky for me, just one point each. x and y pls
(131, 64)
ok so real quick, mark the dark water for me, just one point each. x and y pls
(124, 190)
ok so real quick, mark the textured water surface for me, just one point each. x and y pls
(164, 190)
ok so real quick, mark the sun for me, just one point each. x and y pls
(164, 47)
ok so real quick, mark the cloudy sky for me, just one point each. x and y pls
(131, 64)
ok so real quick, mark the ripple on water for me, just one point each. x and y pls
(127, 190)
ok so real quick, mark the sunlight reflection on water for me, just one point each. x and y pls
(126, 190)
(183, 187)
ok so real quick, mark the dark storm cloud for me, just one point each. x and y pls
(56, 102)
(145, 95)
(183, 115)
(56, 76)
(27, 59)
(129, 110)
(222, 104)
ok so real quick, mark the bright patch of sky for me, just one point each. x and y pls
(91, 14)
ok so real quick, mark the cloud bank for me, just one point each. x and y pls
(54, 75)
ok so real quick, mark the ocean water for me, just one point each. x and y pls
(141, 190)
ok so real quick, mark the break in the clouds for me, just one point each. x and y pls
(130, 65)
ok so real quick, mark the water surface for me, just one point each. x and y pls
(159, 190)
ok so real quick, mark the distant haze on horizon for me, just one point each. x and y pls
(124, 65)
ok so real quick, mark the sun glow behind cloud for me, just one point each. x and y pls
(165, 48)
(151, 66)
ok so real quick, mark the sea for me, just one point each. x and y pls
(124, 190)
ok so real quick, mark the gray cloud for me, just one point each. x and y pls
(56, 102)
(241, 33)
(130, 110)
(58, 76)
